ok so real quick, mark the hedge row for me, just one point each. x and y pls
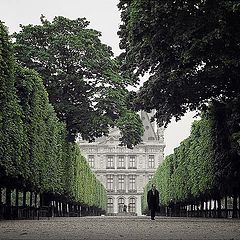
(206, 165)
(34, 153)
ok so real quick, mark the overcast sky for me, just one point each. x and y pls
(103, 16)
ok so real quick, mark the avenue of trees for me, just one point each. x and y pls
(36, 157)
(205, 168)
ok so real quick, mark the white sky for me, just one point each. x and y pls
(103, 16)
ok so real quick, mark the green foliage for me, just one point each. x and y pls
(190, 48)
(11, 127)
(206, 164)
(81, 184)
(80, 75)
(131, 129)
(34, 152)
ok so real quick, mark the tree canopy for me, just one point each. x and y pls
(189, 48)
(81, 76)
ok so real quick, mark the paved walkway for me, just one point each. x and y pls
(121, 228)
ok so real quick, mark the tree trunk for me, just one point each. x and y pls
(41, 199)
(215, 209)
(8, 203)
(206, 209)
(67, 207)
(226, 210)
(1, 196)
(202, 208)
(191, 209)
(60, 208)
(219, 208)
(24, 198)
(57, 208)
(31, 199)
(17, 203)
(210, 208)
(17, 198)
(197, 205)
(234, 215)
(35, 199)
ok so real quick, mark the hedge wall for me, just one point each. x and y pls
(34, 153)
(206, 165)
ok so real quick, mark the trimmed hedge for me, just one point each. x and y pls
(34, 153)
(206, 165)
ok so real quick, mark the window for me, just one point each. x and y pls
(111, 149)
(110, 163)
(151, 150)
(132, 161)
(132, 181)
(121, 182)
(120, 204)
(110, 182)
(110, 205)
(132, 205)
(91, 161)
(121, 162)
(151, 161)
(91, 150)
(121, 149)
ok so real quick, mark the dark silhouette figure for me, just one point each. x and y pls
(153, 200)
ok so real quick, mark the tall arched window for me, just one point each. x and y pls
(132, 205)
(110, 205)
(120, 204)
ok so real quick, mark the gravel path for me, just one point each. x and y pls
(121, 228)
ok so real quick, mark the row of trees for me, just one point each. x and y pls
(190, 50)
(35, 154)
(205, 166)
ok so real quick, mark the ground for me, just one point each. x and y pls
(128, 227)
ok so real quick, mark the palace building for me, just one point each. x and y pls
(124, 172)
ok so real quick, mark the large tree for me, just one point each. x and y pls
(81, 77)
(189, 48)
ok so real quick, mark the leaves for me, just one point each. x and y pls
(80, 74)
(190, 49)
(34, 152)
(11, 127)
(206, 164)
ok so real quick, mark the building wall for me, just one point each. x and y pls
(105, 159)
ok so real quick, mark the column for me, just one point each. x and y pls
(115, 182)
(115, 161)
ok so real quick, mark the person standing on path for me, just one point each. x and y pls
(153, 200)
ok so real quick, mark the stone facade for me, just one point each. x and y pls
(124, 172)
